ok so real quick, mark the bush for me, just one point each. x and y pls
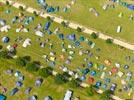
(27, 58)
(94, 35)
(66, 76)
(35, 13)
(32, 67)
(79, 29)
(109, 41)
(63, 23)
(59, 79)
(1, 47)
(74, 83)
(48, 18)
(21, 8)
(7, 3)
(90, 90)
(45, 72)
(106, 95)
(4, 54)
(20, 61)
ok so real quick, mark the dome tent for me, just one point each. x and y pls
(5, 39)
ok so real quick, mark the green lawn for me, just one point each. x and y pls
(107, 22)
(111, 52)
(47, 88)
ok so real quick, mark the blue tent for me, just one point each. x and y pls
(93, 73)
(47, 25)
(14, 91)
(49, 32)
(77, 43)
(5, 39)
(2, 97)
(71, 37)
(86, 71)
(83, 78)
(131, 7)
(98, 84)
(61, 36)
(41, 1)
(50, 9)
(19, 84)
(90, 64)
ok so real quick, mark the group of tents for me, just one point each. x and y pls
(51, 9)
(125, 4)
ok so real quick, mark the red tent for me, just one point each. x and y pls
(114, 70)
(91, 80)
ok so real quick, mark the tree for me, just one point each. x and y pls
(32, 67)
(94, 35)
(35, 13)
(90, 90)
(79, 29)
(21, 8)
(63, 23)
(45, 72)
(74, 83)
(7, 3)
(66, 76)
(20, 61)
(59, 79)
(1, 47)
(27, 58)
(4, 54)
(106, 95)
(109, 41)
(49, 18)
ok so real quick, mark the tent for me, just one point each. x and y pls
(14, 91)
(71, 37)
(2, 22)
(114, 70)
(82, 78)
(93, 73)
(41, 1)
(2, 97)
(32, 97)
(90, 64)
(14, 19)
(91, 80)
(61, 36)
(19, 84)
(98, 84)
(47, 25)
(5, 28)
(17, 74)
(5, 39)
(38, 82)
(27, 91)
(39, 33)
(26, 42)
(47, 98)
(68, 95)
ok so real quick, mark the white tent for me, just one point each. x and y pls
(118, 29)
(26, 42)
(68, 95)
(5, 28)
(39, 33)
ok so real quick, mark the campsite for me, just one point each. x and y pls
(106, 17)
(32, 43)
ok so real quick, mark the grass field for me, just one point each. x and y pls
(107, 22)
(111, 52)
(48, 87)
